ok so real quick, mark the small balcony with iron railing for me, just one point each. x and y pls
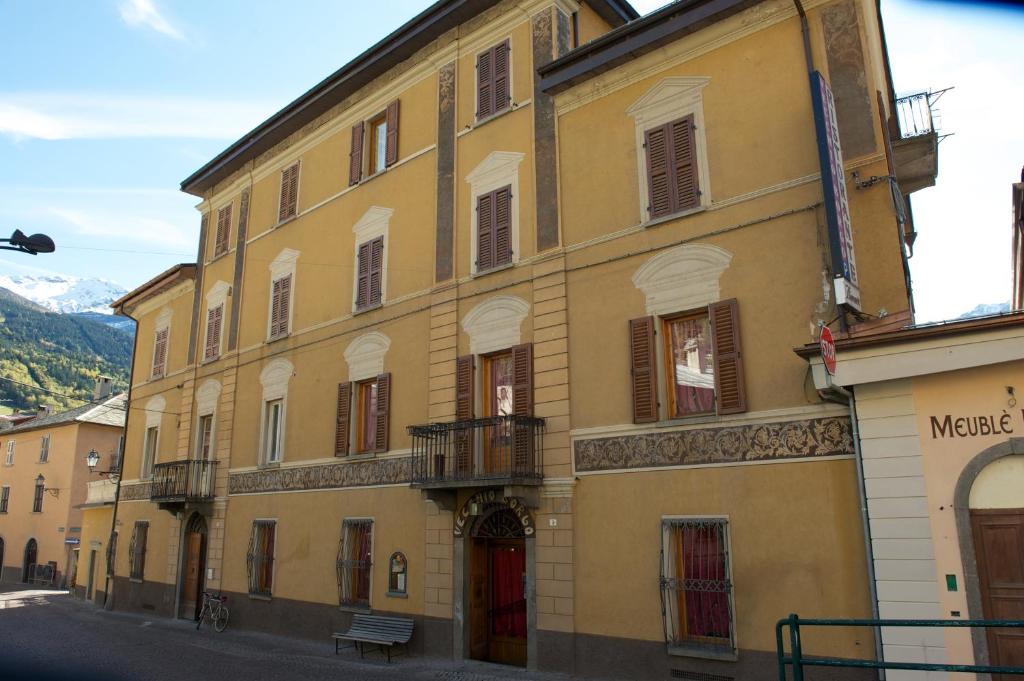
(496, 450)
(177, 483)
(915, 140)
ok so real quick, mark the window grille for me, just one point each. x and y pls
(137, 549)
(260, 559)
(695, 582)
(355, 562)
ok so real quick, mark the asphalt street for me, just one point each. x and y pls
(48, 635)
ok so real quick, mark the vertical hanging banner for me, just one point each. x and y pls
(833, 182)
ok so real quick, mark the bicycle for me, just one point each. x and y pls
(215, 608)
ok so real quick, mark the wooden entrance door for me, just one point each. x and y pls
(478, 583)
(30, 559)
(91, 575)
(506, 624)
(193, 574)
(999, 548)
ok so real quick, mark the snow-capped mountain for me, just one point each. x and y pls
(65, 294)
(985, 309)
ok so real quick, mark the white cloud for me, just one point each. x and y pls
(145, 13)
(113, 228)
(58, 116)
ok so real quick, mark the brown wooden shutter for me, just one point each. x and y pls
(284, 305)
(501, 77)
(485, 84)
(160, 353)
(213, 326)
(503, 226)
(659, 181)
(485, 219)
(725, 334)
(275, 308)
(343, 418)
(522, 380)
(391, 147)
(383, 411)
(223, 231)
(363, 276)
(642, 367)
(289, 192)
(464, 388)
(684, 164)
(376, 270)
(355, 157)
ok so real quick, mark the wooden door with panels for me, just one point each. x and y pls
(999, 549)
(195, 565)
(497, 588)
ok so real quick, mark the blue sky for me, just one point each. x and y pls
(106, 105)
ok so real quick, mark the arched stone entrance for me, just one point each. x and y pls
(31, 557)
(990, 527)
(192, 578)
(495, 565)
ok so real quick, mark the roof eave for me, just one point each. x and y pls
(156, 285)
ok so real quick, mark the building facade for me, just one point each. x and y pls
(493, 327)
(43, 482)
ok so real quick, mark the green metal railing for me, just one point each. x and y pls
(797, 661)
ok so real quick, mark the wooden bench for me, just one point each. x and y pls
(375, 630)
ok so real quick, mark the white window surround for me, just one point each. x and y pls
(682, 278)
(282, 266)
(499, 169)
(163, 321)
(217, 295)
(154, 409)
(365, 356)
(672, 98)
(274, 378)
(495, 324)
(206, 405)
(374, 223)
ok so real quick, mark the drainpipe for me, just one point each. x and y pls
(108, 602)
(841, 395)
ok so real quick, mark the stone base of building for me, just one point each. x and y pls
(149, 597)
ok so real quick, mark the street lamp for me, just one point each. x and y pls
(52, 491)
(33, 245)
(92, 459)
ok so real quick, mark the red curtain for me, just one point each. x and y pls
(508, 602)
(707, 605)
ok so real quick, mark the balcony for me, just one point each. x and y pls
(100, 493)
(180, 482)
(498, 450)
(915, 141)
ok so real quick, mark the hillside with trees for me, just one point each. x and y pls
(60, 353)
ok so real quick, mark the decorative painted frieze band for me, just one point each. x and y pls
(323, 476)
(731, 444)
(137, 492)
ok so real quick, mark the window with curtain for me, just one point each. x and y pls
(205, 437)
(272, 417)
(260, 559)
(696, 587)
(355, 562)
(149, 451)
(367, 415)
(137, 550)
(690, 365)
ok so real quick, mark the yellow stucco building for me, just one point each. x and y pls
(492, 328)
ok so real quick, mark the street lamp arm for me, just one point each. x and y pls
(33, 245)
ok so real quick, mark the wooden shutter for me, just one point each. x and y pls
(160, 353)
(284, 305)
(725, 334)
(343, 417)
(383, 411)
(391, 147)
(659, 181)
(485, 84)
(223, 231)
(522, 380)
(464, 388)
(213, 327)
(289, 192)
(376, 270)
(355, 157)
(642, 368)
(275, 308)
(503, 226)
(363, 276)
(501, 77)
(684, 164)
(485, 219)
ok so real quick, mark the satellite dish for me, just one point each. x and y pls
(37, 243)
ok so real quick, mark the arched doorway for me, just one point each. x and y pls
(497, 586)
(193, 570)
(31, 557)
(989, 506)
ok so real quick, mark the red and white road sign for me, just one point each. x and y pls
(828, 350)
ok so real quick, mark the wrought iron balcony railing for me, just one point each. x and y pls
(497, 450)
(180, 481)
